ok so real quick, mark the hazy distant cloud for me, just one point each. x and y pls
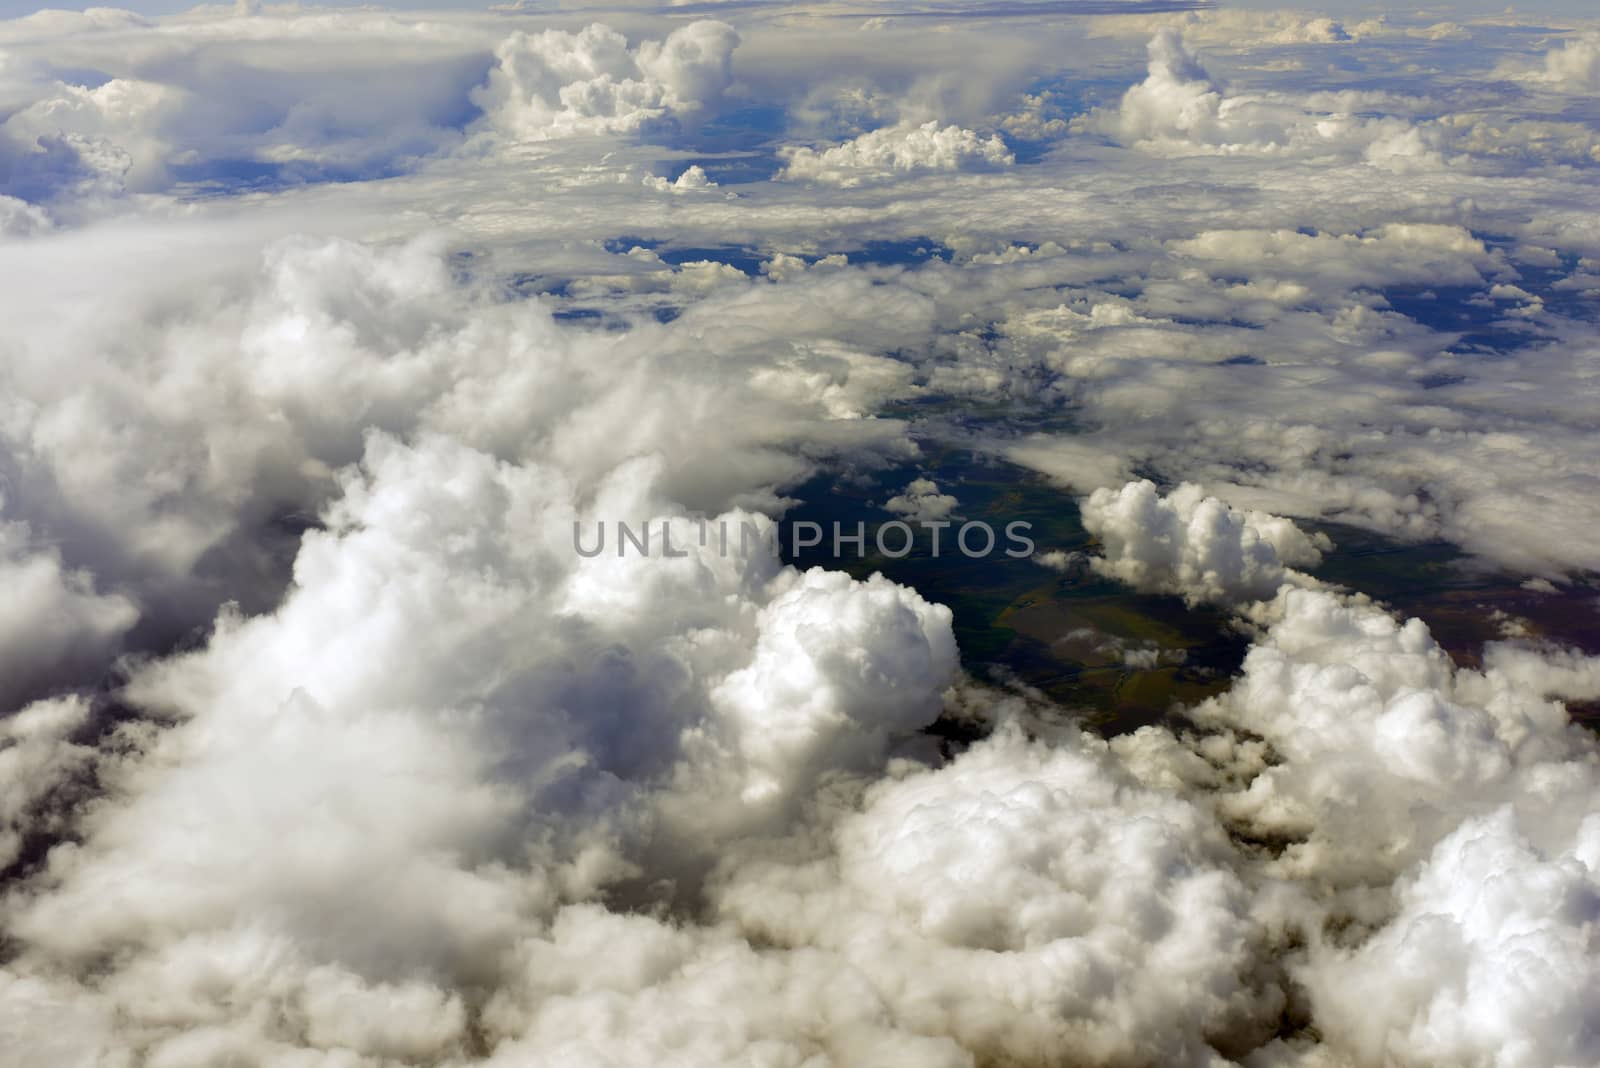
(104, 102)
(1180, 109)
(18, 218)
(1570, 67)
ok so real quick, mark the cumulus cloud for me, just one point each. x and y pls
(504, 728)
(1180, 109)
(1085, 907)
(1571, 67)
(1491, 959)
(192, 475)
(1469, 791)
(1178, 96)
(79, 142)
(413, 669)
(1443, 814)
(838, 670)
(890, 150)
(556, 83)
(1306, 393)
(693, 178)
(921, 500)
(104, 104)
(1194, 545)
(1405, 742)
(561, 721)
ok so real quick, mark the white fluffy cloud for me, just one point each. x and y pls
(166, 485)
(103, 104)
(474, 720)
(1024, 899)
(693, 178)
(555, 83)
(891, 150)
(1384, 745)
(1241, 27)
(18, 218)
(1472, 789)
(545, 723)
(1194, 545)
(1180, 109)
(1491, 960)
(921, 500)
(1447, 815)
(1002, 906)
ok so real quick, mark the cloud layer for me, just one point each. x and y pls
(322, 741)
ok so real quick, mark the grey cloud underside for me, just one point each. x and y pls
(323, 747)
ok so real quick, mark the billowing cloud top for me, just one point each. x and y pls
(885, 151)
(557, 83)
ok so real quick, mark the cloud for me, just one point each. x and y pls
(1180, 109)
(78, 141)
(921, 500)
(1083, 907)
(1388, 764)
(895, 936)
(104, 104)
(556, 83)
(556, 722)
(1435, 822)
(414, 669)
(39, 758)
(187, 480)
(1193, 545)
(1384, 745)
(61, 166)
(1101, 648)
(693, 178)
(18, 218)
(1445, 255)
(1240, 29)
(1573, 67)
(395, 775)
(55, 628)
(839, 669)
(1271, 367)
(1491, 959)
(890, 150)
